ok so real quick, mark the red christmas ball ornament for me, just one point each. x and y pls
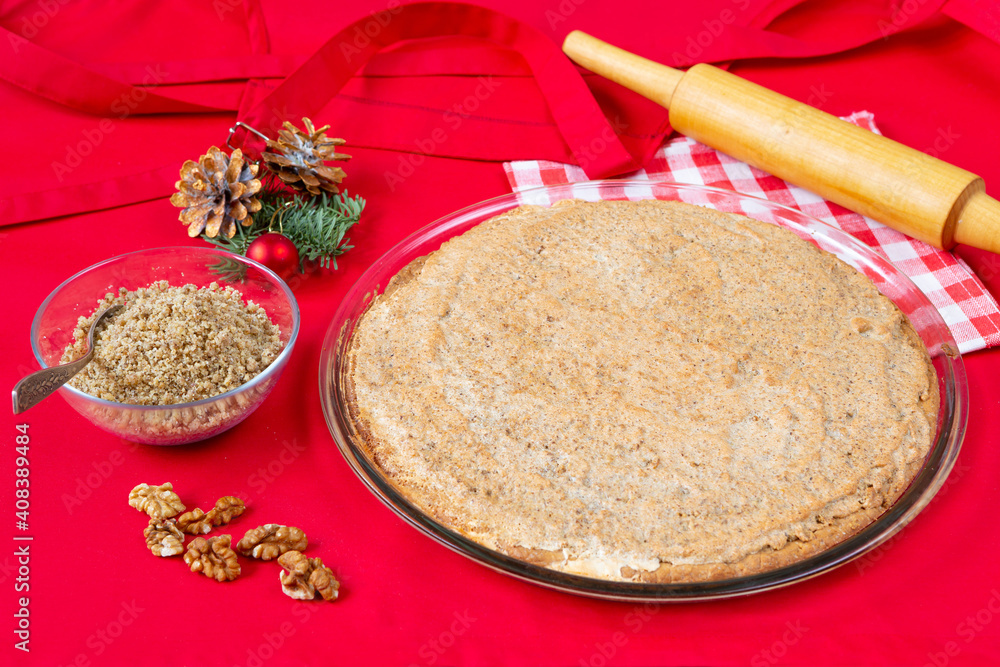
(276, 252)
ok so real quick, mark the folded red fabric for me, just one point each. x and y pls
(541, 108)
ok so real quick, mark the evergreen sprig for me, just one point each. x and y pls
(316, 225)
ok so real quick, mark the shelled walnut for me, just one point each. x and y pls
(226, 509)
(303, 578)
(269, 541)
(197, 522)
(194, 522)
(213, 557)
(159, 502)
(306, 577)
(164, 538)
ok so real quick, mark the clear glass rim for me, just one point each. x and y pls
(278, 363)
(930, 478)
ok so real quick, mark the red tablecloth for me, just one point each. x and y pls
(95, 594)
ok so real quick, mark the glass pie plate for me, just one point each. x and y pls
(889, 280)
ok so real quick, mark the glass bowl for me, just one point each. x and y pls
(52, 331)
(890, 281)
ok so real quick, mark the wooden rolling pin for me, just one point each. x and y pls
(903, 188)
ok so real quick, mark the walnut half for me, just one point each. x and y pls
(164, 538)
(197, 522)
(194, 522)
(226, 509)
(213, 557)
(305, 577)
(159, 502)
(269, 541)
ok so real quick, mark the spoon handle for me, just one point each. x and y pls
(40, 384)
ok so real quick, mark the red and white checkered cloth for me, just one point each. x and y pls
(960, 297)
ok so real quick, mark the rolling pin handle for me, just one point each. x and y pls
(650, 79)
(903, 188)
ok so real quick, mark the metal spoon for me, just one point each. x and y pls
(35, 387)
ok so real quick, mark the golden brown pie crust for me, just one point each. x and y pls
(644, 391)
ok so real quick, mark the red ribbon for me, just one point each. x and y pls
(579, 119)
(310, 87)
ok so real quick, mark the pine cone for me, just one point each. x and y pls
(217, 192)
(298, 158)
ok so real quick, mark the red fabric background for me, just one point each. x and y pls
(931, 596)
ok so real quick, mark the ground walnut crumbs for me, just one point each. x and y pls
(174, 345)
